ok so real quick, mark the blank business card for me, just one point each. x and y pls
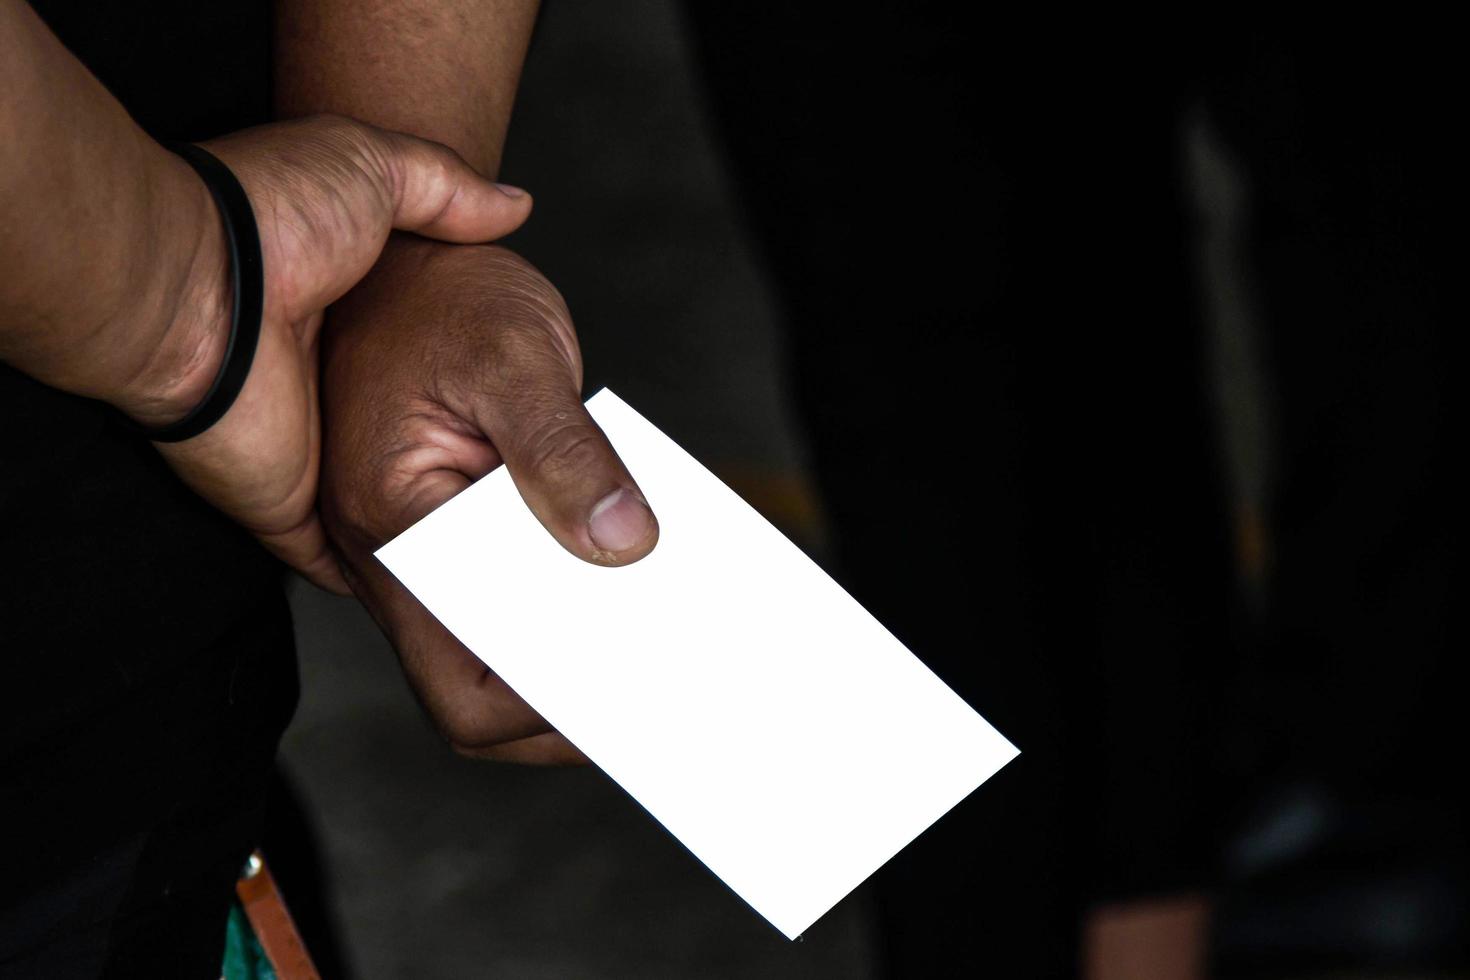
(725, 681)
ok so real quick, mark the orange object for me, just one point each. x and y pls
(272, 922)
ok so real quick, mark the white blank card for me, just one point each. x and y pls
(734, 690)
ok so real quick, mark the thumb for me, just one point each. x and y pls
(437, 194)
(569, 474)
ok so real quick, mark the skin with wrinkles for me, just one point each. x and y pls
(323, 189)
(469, 352)
(496, 380)
(137, 315)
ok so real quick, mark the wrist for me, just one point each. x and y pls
(178, 328)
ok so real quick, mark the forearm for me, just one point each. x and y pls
(101, 238)
(444, 70)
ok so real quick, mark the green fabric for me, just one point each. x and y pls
(244, 959)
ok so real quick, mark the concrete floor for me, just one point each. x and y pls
(440, 867)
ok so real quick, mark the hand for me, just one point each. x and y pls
(326, 193)
(445, 362)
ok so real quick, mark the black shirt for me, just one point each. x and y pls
(112, 570)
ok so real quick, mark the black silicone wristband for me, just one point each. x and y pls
(247, 289)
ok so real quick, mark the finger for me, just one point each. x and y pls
(305, 549)
(550, 749)
(438, 195)
(473, 707)
(567, 471)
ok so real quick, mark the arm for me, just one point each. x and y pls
(113, 279)
(447, 361)
(104, 240)
(444, 70)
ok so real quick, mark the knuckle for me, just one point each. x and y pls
(518, 343)
(465, 750)
(439, 172)
(460, 729)
(562, 447)
(469, 736)
(528, 282)
(538, 315)
(460, 743)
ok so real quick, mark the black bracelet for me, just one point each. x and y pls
(247, 282)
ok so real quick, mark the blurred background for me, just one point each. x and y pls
(1253, 621)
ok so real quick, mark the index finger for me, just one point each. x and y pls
(469, 703)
